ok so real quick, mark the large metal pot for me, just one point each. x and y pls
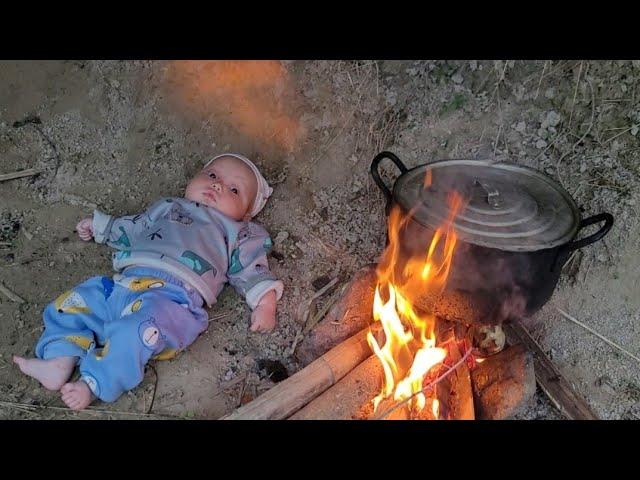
(516, 232)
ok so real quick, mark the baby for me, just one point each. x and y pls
(172, 259)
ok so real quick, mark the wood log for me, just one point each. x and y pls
(561, 393)
(462, 307)
(454, 391)
(351, 313)
(296, 391)
(351, 398)
(503, 383)
(348, 399)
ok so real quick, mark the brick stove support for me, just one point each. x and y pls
(503, 383)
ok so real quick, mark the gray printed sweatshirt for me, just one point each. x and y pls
(196, 243)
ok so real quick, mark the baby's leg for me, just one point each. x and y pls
(70, 322)
(158, 323)
(52, 373)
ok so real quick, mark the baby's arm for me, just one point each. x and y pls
(115, 232)
(249, 274)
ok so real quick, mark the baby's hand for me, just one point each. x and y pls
(263, 318)
(85, 229)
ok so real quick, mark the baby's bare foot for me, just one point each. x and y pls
(52, 373)
(77, 395)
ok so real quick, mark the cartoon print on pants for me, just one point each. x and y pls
(261, 268)
(149, 333)
(133, 307)
(196, 263)
(124, 239)
(71, 302)
(82, 342)
(107, 286)
(100, 353)
(235, 266)
(138, 284)
(166, 354)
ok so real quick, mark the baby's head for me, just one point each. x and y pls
(231, 184)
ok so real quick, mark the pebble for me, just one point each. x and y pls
(521, 127)
(281, 237)
(551, 120)
(540, 144)
(457, 78)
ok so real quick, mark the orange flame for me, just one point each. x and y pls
(409, 352)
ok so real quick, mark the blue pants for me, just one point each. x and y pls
(114, 326)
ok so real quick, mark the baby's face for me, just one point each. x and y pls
(228, 185)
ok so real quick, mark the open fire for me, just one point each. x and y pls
(409, 355)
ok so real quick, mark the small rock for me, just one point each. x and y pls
(602, 258)
(540, 144)
(634, 130)
(457, 78)
(551, 120)
(521, 127)
(473, 65)
(281, 237)
(550, 92)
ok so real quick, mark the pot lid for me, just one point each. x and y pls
(509, 207)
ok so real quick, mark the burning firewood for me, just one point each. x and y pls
(454, 392)
(352, 397)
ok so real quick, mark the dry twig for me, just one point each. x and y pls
(601, 337)
(22, 173)
(28, 407)
(10, 295)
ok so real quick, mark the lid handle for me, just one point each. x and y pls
(493, 195)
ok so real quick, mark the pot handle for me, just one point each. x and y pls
(607, 218)
(376, 175)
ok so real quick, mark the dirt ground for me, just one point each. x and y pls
(118, 135)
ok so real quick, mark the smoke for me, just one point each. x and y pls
(254, 97)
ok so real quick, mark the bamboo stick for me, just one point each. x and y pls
(290, 395)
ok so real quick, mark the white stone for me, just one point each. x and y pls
(281, 237)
